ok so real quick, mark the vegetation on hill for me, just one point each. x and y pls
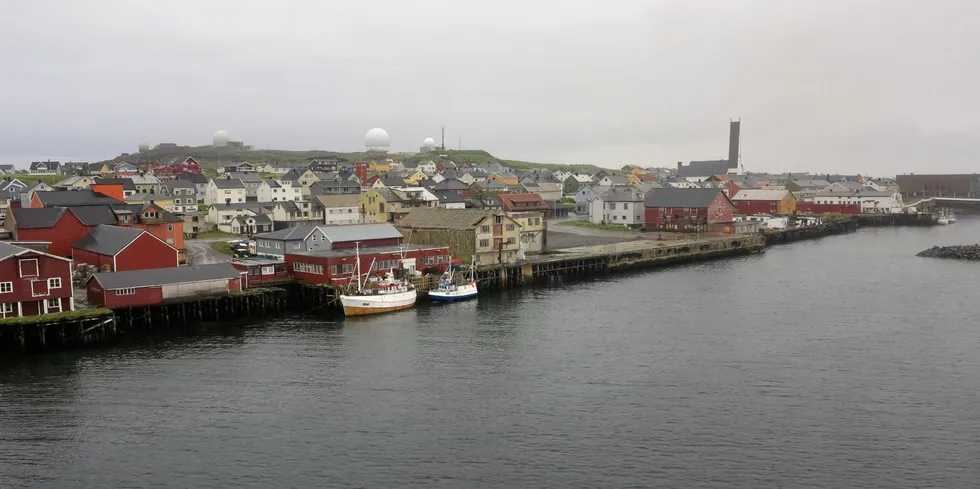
(213, 157)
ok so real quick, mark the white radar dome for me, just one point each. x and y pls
(377, 140)
(220, 138)
(429, 143)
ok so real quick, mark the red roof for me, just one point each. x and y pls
(522, 202)
(723, 178)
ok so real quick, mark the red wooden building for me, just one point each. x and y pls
(815, 208)
(33, 282)
(263, 271)
(122, 249)
(149, 287)
(524, 203)
(180, 167)
(687, 209)
(60, 226)
(335, 267)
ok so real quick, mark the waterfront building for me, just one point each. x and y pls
(871, 200)
(524, 203)
(489, 235)
(621, 205)
(687, 210)
(940, 185)
(764, 201)
(33, 282)
(534, 231)
(317, 238)
(335, 267)
(150, 287)
(119, 249)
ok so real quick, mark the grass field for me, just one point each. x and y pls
(76, 314)
(223, 247)
(592, 225)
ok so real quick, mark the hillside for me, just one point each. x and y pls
(212, 157)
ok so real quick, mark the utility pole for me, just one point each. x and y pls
(443, 127)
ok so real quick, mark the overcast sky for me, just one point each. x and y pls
(872, 86)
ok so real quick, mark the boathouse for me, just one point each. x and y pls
(149, 287)
(335, 267)
(33, 282)
(263, 271)
(121, 249)
(764, 201)
(687, 209)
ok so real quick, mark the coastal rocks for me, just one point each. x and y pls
(962, 252)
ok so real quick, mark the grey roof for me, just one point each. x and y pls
(448, 197)
(195, 178)
(252, 206)
(73, 198)
(811, 183)
(681, 197)
(93, 215)
(108, 240)
(451, 184)
(389, 180)
(272, 183)
(127, 183)
(37, 218)
(228, 183)
(489, 185)
(617, 179)
(704, 168)
(8, 250)
(166, 276)
(180, 183)
(259, 218)
(287, 205)
(622, 194)
(51, 165)
(458, 219)
(246, 177)
(289, 234)
(358, 232)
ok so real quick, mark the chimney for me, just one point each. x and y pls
(733, 136)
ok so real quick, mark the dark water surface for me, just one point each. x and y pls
(843, 362)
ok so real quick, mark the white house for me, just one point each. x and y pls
(871, 200)
(223, 214)
(273, 168)
(277, 190)
(618, 205)
(340, 209)
(225, 191)
(183, 195)
(613, 180)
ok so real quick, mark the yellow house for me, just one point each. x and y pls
(504, 178)
(374, 206)
(632, 178)
(105, 170)
(415, 178)
(533, 230)
(379, 167)
(167, 203)
(637, 171)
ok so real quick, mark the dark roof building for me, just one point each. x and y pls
(147, 287)
(124, 248)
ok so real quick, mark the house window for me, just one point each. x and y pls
(484, 243)
(510, 227)
(129, 291)
(53, 304)
(8, 309)
(484, 229)
(54, 283)
(28, 268)
(511, 240)
(170, 241)
(6, 287)
(170, 227)
(298, 245)
(623, 218)
(278, 245)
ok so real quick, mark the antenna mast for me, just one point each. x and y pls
(443, 127)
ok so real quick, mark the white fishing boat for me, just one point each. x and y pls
(950, 218)
(448, 290)
(943, 218)
(377, 294)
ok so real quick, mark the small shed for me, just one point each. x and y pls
(123, 249)
(156, 286)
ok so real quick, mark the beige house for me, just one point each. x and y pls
(534, 231)
(489, 236)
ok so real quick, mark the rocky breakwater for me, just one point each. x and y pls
(961, 252)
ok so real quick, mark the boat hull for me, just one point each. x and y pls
(363, 305)
(461, 294)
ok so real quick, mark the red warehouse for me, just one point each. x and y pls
(336, 267)
(121, 249)
(687, 209)
(33, 282)
(149, 287)
(60, 226)
(263, 271)
(764, 201)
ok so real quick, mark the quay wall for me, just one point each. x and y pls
(49, 335)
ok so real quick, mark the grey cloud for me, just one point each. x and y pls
(826, 85)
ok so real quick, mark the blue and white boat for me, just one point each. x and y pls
(449, 291)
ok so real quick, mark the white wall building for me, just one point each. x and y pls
(278, 190)
(340, 209)
(871, 200)
(618, 205)
(225, 191)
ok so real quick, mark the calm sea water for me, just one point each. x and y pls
(843, 362)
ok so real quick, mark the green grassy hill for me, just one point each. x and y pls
(212, 157)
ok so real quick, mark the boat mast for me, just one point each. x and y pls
(357, 264)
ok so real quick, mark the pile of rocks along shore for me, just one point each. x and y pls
(961, 252)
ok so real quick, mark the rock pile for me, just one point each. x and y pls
(963, 252)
